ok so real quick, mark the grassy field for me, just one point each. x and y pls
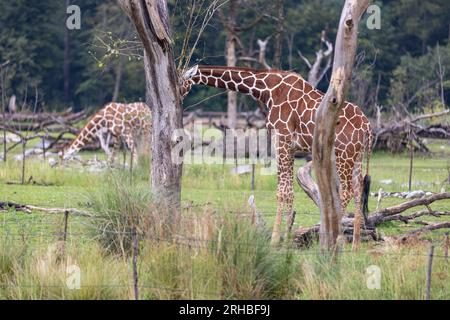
(229, 260)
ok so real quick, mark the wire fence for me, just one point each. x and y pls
(52, 230)
(38, 232)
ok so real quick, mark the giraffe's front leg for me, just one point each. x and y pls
(285, 190)
(104, 142)
(132, 146)
(115, 149)
(357, 185)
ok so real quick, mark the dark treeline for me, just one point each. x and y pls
(405, 65)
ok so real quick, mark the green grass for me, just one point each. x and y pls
(234, 261)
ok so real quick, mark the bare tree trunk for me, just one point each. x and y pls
(290, 41)
(3, 101)
(151, 20)
(231, 62)
(326, 115)
(66, 61)
(118, 82)
(441, 76)
(317, 70)
(262, 53)
(279, 35)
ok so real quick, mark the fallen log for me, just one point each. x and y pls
(30, 208)
(306, 235)
(306, 182)
(39, 121)
(34, 116)
(383, 214)
(396, 136)
(416, 215)
(415, 233)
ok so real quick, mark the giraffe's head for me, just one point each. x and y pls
(186, 80)
(67, 153)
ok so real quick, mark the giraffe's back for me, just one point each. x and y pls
(293, 116)
(124, 119)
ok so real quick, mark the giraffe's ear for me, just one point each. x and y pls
(190, 72)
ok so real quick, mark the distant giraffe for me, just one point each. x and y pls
(117, 121)
(292, 103)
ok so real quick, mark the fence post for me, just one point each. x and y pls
(124, 154)
(43, 147)
(429, 270)
(131, 167)
(252, 183)
(24, 144)
(446, 245)
(411, 159)
(135, 271)
(379, 198)
(66, 219)
(62, 252)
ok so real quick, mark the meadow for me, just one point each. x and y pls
(214, 252)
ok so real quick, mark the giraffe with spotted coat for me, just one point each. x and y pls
(292, 103)
(117, 121)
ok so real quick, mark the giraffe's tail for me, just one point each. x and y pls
(367, 179)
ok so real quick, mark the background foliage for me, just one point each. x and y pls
(394, 63)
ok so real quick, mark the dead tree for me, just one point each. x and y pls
(3, 101)
(305, 236)
(306, 182)
(232, 41)
(262, 53)
(261, 60)
(45, 120)
(324, 134)
(66, 61)
(151, 19)
(396, 136)
(12, 106)
(279, 34)
(230, 54)
(322, 64)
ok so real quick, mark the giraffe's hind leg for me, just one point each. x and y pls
(344, 169)
(129, 140)
(103, 137)
(357, 186)
(285, 190)
(115, 149)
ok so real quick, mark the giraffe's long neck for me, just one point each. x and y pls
(87, 134)
(248, 81)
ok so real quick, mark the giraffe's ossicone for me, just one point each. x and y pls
(118, 121)
(292, 103)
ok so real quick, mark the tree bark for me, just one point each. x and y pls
(306, 235)
(66, 61)
(231, 62)
(151, 20)
(307, 183)
(2, 87)
(324, 158)
(118, 81)
(317, 70)
(279, 35)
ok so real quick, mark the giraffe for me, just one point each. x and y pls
(116, 121)
(292, 103)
